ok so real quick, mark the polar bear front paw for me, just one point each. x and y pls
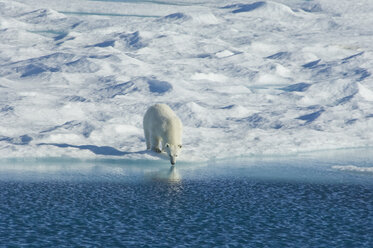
(157, 150)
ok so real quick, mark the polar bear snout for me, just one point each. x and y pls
(173, 160)
(173, 152)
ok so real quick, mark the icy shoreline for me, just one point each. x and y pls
(259, 78)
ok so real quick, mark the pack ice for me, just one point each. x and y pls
(245, 78)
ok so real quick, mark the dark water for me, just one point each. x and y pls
(69, 204)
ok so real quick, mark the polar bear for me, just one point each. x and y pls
(161, 125)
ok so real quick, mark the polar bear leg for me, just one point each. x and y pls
(147, 139)
(155, 144)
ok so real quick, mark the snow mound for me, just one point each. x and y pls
(42, 16)
(204, 18)
(142, 85)
(201, 18)
(175, 17)
(12, 8)
(245, 7)
(364, 92)
(36, 66)
(263, 9)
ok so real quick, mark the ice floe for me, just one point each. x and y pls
(246, 78)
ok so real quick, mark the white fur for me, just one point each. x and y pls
(162, 126)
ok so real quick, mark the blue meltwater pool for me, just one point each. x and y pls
(256, 202)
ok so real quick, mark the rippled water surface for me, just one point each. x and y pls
(46, 204)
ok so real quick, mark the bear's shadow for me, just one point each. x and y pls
(104, 150)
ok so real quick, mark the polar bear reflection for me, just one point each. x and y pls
(170, 175)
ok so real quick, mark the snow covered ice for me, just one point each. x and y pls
(245, 77)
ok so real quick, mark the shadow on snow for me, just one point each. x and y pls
(98, 150)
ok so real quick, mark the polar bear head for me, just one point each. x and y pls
(173, 151)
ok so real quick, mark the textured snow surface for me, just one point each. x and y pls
(245, 77)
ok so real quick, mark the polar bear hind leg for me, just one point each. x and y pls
(147, 139)
(155, 144)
